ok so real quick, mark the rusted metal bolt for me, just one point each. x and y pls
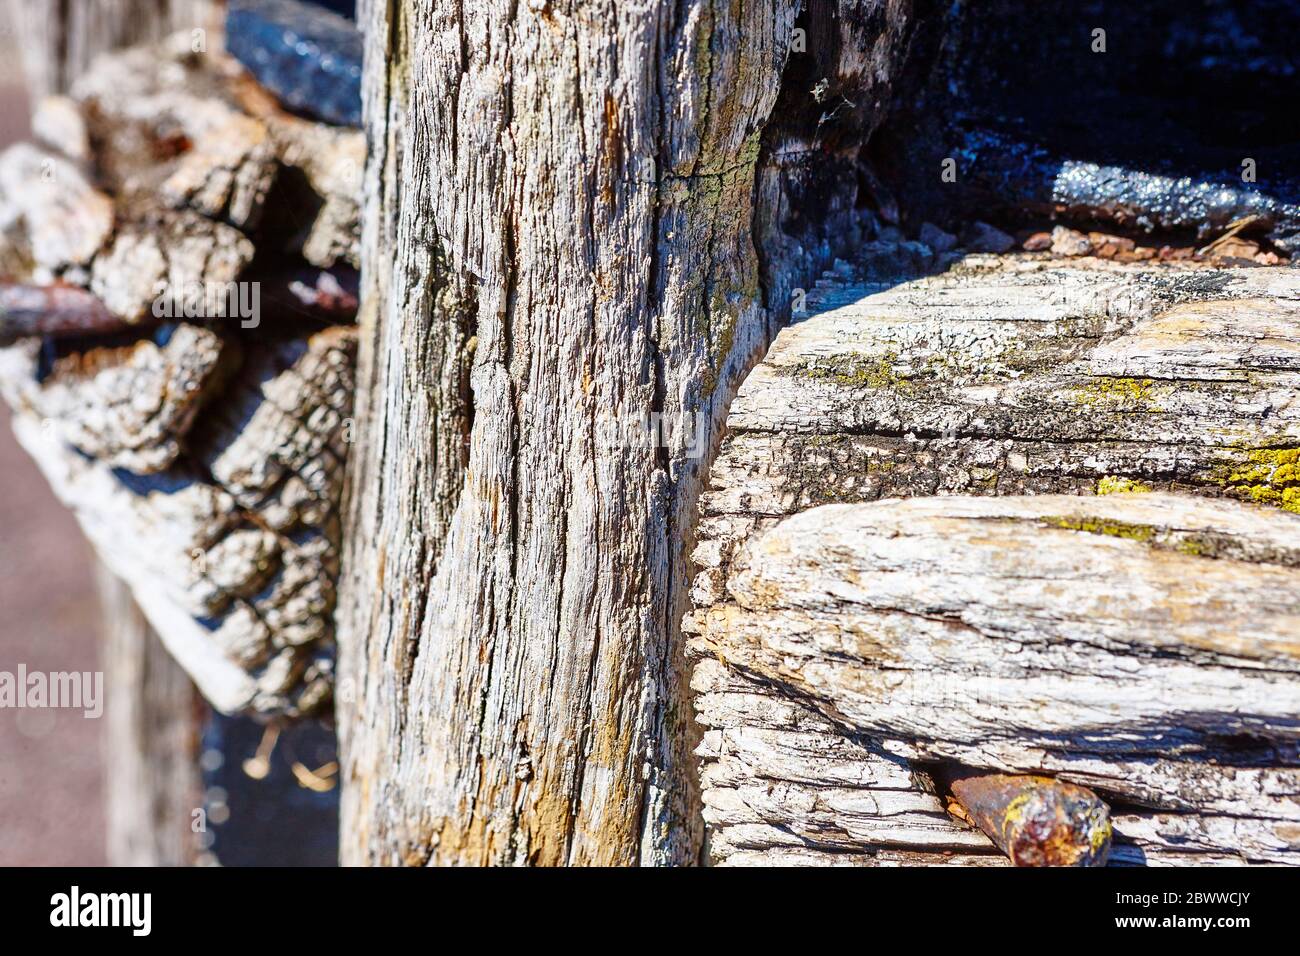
(1038, 821)
(55, 310)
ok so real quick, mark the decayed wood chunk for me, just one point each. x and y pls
(66, 220)
(162, 126)
(332, 161)
(57, 124)
(129, 254)
(202, 455)
(1008, 376)
(191, 156)
(231, 550)
(129, 405)
(160, 257)
(190, 130)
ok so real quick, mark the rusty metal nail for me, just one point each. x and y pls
(1038, 821)
(55, 310)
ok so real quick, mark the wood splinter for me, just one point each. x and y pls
(1037, 821)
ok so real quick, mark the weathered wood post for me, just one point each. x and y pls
(151, 744)
(569, 210)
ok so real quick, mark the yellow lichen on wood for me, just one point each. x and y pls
(1107, 390)
(1116, 485)
(857, 371)
(1268, 475)
(1112, 529)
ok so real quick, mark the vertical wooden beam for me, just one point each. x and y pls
(151, 739)
(560, 261)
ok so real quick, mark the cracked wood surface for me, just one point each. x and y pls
(204, 457)
(576, 218)
(128, 406)
(1169, 628)
(231, 548)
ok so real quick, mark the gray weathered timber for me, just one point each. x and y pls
(151, 739)
(1008, 376)
(1017, 375)
(564, 237)
(974, 632)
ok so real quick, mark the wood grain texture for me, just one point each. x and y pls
(568, 228)
(1007, 376)
(973, 631)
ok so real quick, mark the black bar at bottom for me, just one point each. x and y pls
(307, 908)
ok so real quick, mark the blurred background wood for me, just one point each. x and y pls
(151, 739)
(151, 779)
(59, 38)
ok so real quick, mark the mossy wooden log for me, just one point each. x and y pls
(1006, 377)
